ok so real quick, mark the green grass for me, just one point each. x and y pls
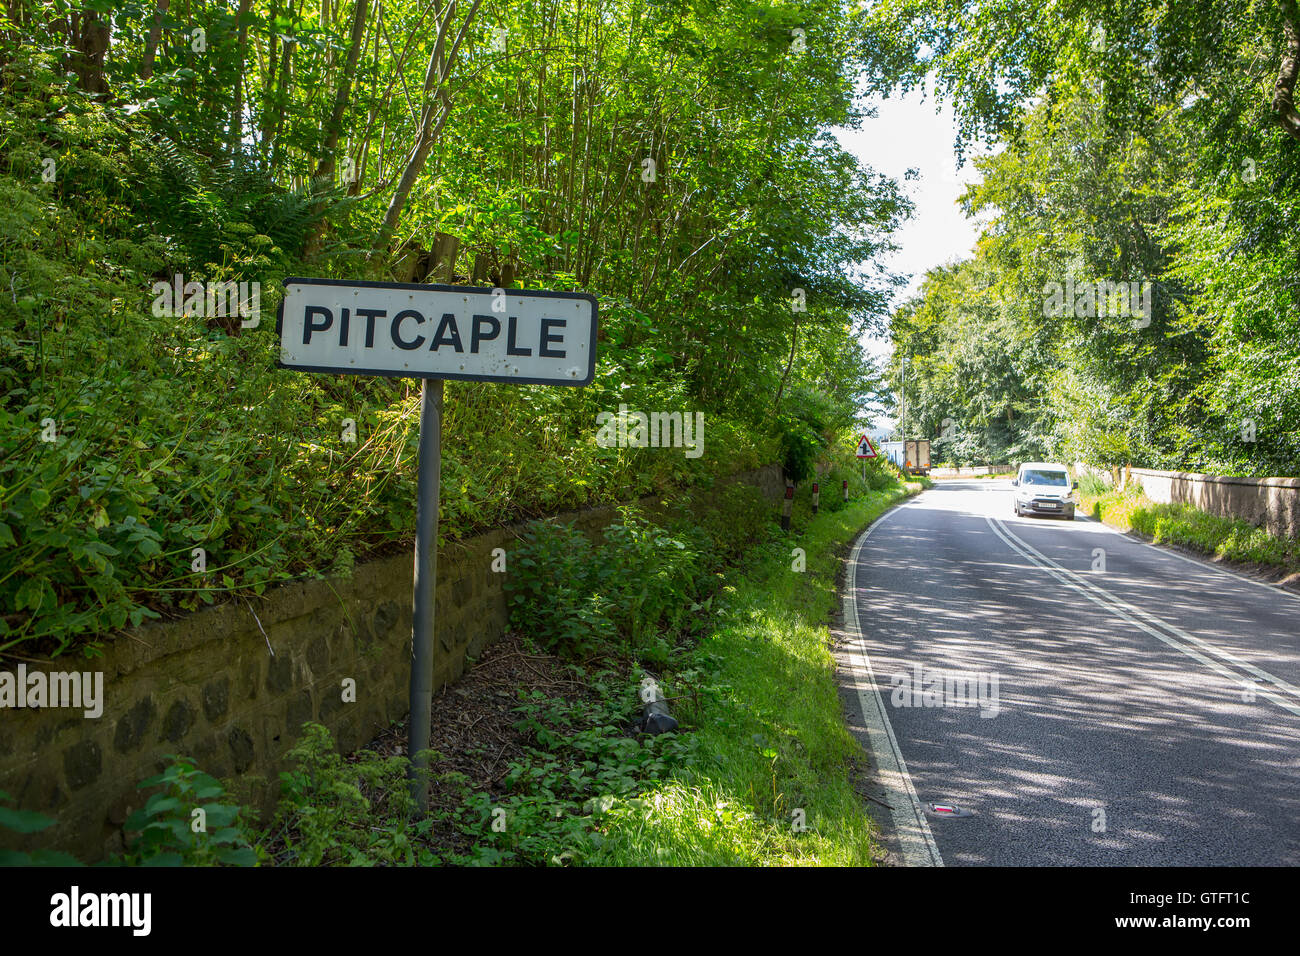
(771, 737)
(1188, 527)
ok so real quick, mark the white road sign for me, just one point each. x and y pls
(438, 331)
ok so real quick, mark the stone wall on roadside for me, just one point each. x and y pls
(966, 471)
(1269, 503)
(231, 686)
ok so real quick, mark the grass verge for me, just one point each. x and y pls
(770, 782)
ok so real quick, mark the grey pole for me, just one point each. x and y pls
(426, 572)
(903, 425)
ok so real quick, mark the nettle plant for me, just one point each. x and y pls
(355, 812)
(186, 823)
(577, 767)
(578, 599)
(651, 573)
(551, 594)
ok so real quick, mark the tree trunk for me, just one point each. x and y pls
(277, 105)
(151, 44)
(441, 63)
(334, 125)
(90, 43)
(1284, 89)
(237, 114)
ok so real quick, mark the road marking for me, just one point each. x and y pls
(1160, 622)
(1276, 589)
(1148, 622)
(916, 842)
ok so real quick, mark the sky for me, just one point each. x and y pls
(911, 133)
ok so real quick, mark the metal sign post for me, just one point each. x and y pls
(426, 580)
(434, 332)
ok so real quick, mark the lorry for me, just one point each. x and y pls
(912, 455)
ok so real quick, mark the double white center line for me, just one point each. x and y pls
(1218, 660)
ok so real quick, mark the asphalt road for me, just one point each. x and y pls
(1092, 700)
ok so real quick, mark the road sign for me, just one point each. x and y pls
(434, 332)
(865, 448)
(437, 331)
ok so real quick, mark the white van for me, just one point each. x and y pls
(1043, 488)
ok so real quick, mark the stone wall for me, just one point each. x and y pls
(1269, 503)
(231, 686)
(971, 471)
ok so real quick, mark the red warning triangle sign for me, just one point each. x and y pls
(865, 448)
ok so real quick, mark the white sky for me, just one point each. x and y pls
(910, 133)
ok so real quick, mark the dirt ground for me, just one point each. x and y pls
(473, 725)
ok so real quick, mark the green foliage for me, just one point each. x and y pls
(649, 576)
(582, 762)
(722, 523)
(1137, 146)
(769, 729)
(186, 823)
(357, 811)
(588, 793)
(346, 812)
(1188, 527)
(804, 425)
(577, 599)
(1092, 486)
(586, 786)
(552, 592)
(1232, 539)
(24, 822)
(176, 432)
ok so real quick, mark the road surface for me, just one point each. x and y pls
(1080, 697)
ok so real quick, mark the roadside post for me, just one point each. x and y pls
(786, 505)
(817, 494)
(846, 485)
(434, 332)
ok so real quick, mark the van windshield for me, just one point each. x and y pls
(1035, 476)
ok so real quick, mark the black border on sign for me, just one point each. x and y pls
(431, 287)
